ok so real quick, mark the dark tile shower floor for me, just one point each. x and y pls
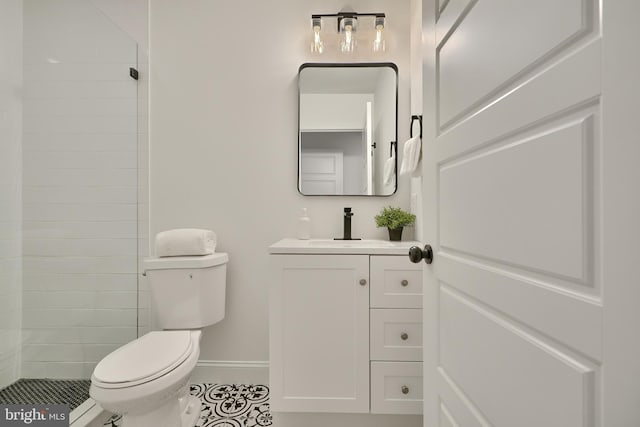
(70, 392)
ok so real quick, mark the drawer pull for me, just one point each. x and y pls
(405, 283)
(404, 336)
(363, 282)
(405, 389)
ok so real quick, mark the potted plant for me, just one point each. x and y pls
(394, 219)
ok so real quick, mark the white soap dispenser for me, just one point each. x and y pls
(304, 226)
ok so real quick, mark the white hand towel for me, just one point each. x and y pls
(390, 169)
(185, 242)
(410, 155)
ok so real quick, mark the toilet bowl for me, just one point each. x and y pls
(147, 380)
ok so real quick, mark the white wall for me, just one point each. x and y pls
(10, 189)
(80, 189)
(416, 109)
(224, 140)
(333, 110)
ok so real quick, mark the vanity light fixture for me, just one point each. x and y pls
(347, 24)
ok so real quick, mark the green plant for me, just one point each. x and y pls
(393, 218)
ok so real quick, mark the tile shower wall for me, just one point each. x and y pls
(10, 188)
(80, 189)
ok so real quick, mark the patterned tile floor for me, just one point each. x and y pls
(228, 405)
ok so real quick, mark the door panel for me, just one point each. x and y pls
(484, 51)
(510, 391)
(534, 301)
(446, 419)
(525, 107)
(516, 215)
(512, 199)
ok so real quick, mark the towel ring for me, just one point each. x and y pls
(413, 119)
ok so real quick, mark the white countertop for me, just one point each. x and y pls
(330, 246)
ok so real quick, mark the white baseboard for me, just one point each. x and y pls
(231, 372)
(317, 419)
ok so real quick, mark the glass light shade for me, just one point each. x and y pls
(348, 41)
(379, 44)
(317, 45)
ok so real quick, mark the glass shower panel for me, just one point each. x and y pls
(80, 189)
(10, 190)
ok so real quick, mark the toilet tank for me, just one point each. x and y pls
(187, 292)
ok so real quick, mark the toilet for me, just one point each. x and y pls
(147, 380)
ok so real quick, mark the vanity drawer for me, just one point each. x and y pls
(396, 334)
(396, 387)
(395, 282)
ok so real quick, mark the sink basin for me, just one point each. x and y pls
(330, 246)
(365, 243)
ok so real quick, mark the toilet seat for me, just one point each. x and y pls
(149, 357)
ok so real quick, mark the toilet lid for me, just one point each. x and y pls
(150, 356)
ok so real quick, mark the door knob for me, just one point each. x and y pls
(416, 254)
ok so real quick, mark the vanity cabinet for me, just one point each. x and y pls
(319, 333)
(345, 332)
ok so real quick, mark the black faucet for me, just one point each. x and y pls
(346, 235)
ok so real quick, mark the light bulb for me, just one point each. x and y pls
(347, 45)
(317, 45)
(379, 45)
(348, 42)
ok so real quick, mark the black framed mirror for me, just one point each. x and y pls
(348, 129)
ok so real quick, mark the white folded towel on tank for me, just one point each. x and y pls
(185, 242)
(410, 155)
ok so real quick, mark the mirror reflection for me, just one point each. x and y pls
(347, 129)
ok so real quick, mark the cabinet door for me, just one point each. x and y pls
(319, 333)
(395, 282)
(396, 387)
(396, 334)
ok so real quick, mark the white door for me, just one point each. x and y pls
(368, 148)
(531, 159)
(322, 173)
